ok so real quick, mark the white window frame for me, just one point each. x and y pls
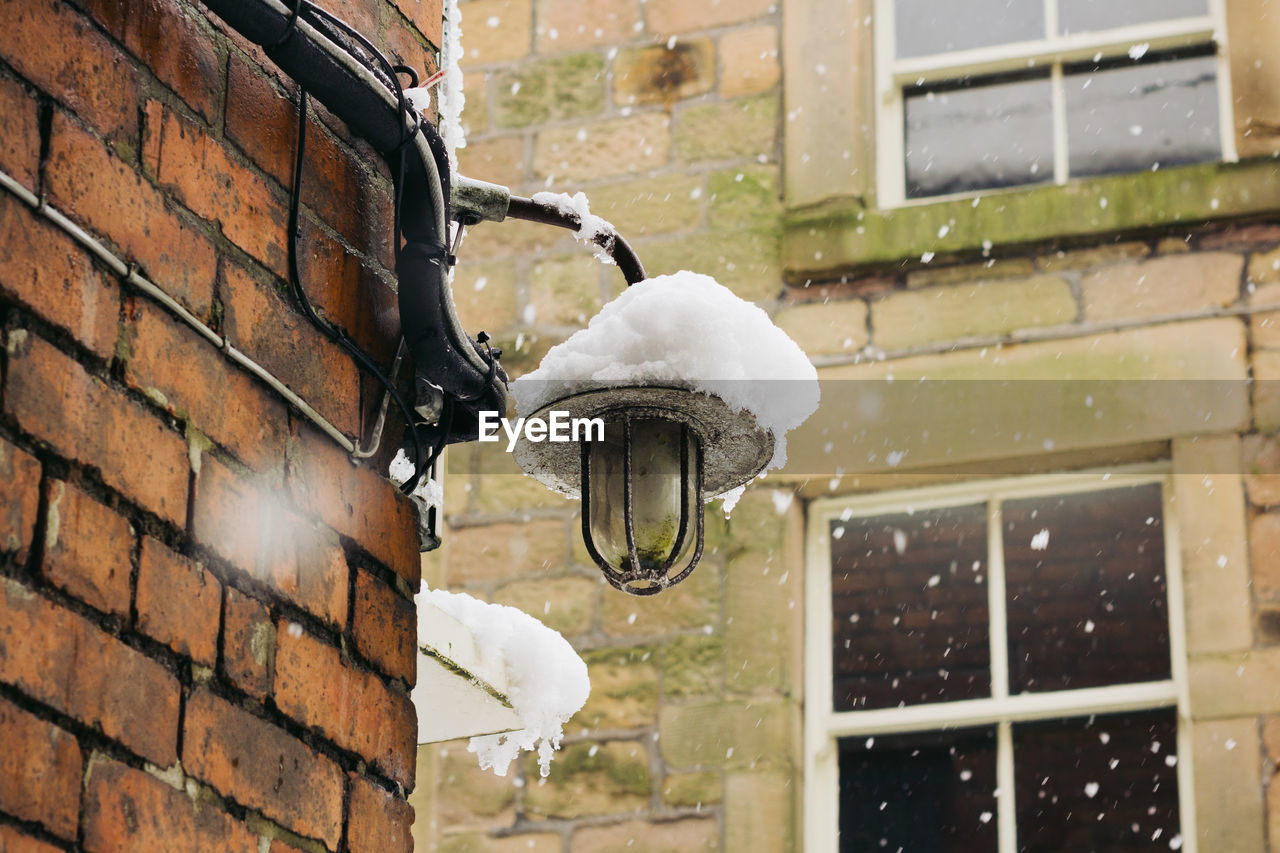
(893, 74)
(823, 725)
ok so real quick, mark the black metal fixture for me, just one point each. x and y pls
(665, 449)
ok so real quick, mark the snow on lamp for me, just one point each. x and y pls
(696, 390)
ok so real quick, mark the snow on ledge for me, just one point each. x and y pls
(526, 663)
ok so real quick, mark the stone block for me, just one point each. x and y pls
(575, 24)
(749, 61)
(762, 622)
(467, 796)
(693, 790)
(621, 146)
(624, 688)
(694, 603)
(478, 842)
(499, 160)
(747, 263)
(915, 317)
(1228, 800)
(640, 836)
(1096, 256)
(1266, 389)
(1235, 685)
(484, 294)
(664, 74)
(659, 205)
(1161, 286)
(744, 199)
(758, 812)
(1261, 467)
(564, 290)
(496, 31)
(1264, 554)
(565, 87)
(1264, 269)
(475, 111)
(667, 17)
(504, 551)
(693, 665)
(589, 779)
(724, 734)
(732, 130)
(826, 328)
(968, 273)
(565, 604)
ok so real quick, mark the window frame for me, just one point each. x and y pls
(823, 725)
(893, 74)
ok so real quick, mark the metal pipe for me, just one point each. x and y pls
(611, 241)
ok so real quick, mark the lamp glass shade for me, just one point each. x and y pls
(643, 474)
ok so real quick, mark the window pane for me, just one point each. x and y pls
(909, 602)
(1086, 590)
(979, 137)
(925, 27)
(1130, 118)
(1103, 783)
(919, 793)
(1078, 16)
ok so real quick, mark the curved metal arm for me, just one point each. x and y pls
(619, 249)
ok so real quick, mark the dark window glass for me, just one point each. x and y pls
(985, 135)
(909, 602)
(1131, 118)
(919, 793)
(1079, 16)
(925, 27)
(1099, 783)
(1086, 590)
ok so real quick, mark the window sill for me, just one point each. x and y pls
(841, 236)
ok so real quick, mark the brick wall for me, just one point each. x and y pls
(206, 631)
(669, 115)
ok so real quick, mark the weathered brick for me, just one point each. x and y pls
(85, 71)
(102, 192)
(248, 644)
(624, 689)
(86, 548)
(178, 602)
(254, 529)
(263, 767)
(42, 268)
(745, 127)
(602, 149)
(385, 627)
(1165, 285)
(426, 15)
(127, 809)
(189, 377)
(217, 188)
(826, 328)
(59, 658)
(574, 24)
(353, 708)
(264, 124)
(170, 43)
(19, 133)
(497, 31)
(502, 551)
(566, 87)
(665, 17)
(377, 820)
(13, 841)
(269, 330)
(356, 502)
(57, 401)
(749, 61)
(641, 836)
(40, 769)
(20, 471)
(590, 779)
(664, 74)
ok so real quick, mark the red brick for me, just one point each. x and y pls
(57, 49)
(20, 472)
(19, 133)
(349, 294)
(43, 268)
(102, 192)
(377, 820)
(426, 15)
(86, 548)
(196, 382)
(248, 644)
(256, 531)
(13, 841)
(385, 627)
(219, 189)
(55, 400)
(264, 124)
(262, 767)
(178, 602)
(40, 769)
(59, 658)
(353, 708)
(406, 48)
(356, 502)
(168, 42)
(127, 810)
(274, 334)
